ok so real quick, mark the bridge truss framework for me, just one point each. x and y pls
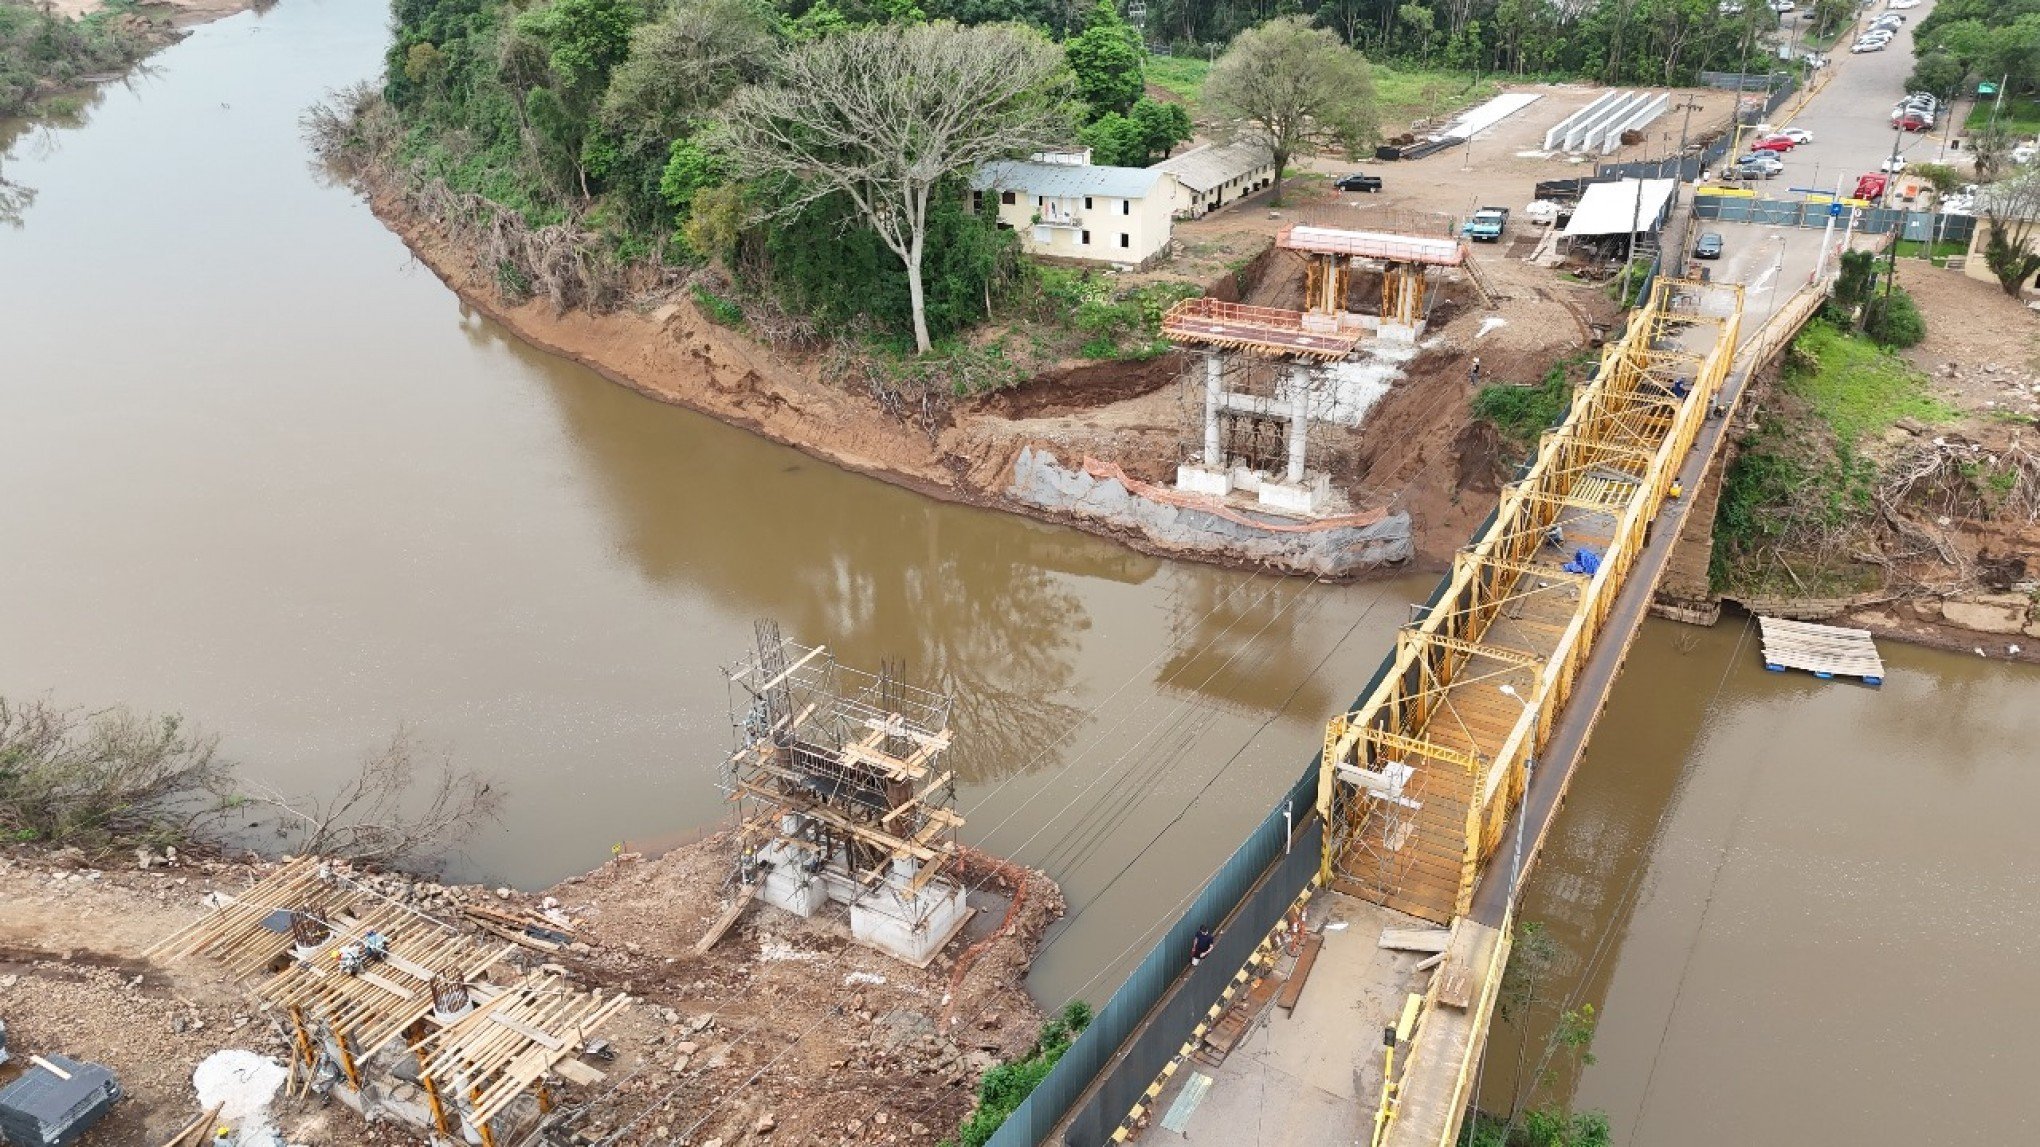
(1416, 784)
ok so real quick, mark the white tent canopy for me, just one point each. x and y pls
(1621, 207)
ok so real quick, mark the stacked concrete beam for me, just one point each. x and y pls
(1576, 139)
(1559, 129)
(1651, 109)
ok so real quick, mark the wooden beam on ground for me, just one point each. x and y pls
(729, 917)
(1306, 958)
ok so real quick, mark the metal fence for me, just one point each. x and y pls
(1745, 81)
(1801, 213)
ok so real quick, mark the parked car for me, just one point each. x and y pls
(1762, 162)
(1892, 164)
(1782, 6)
(1902, 4)
(1708, 246)
(1796, 134)
(1773, 143)
(1871, 186)
(1487, 225)
(1359, 181)
(2023, 153)
(1861, 46)
(1916, 121)
(1543, 212)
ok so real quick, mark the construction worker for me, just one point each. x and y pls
(1473, 374)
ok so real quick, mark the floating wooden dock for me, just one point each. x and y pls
(1826, 651)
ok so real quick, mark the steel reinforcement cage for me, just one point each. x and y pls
(1611, 461)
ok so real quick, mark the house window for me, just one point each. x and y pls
(1007, 198)
(1087, 203)
(1086, 240)
(1125, 240)
(1126, 207)
(977, 202)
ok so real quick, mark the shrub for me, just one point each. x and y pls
(1894, 321)
(1004, 1087)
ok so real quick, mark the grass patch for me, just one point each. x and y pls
(1405, 94)
(1942, 250)
(1003, 1087)
(2020, 115)
(1180, 76)
(1855, 387)
(718, 309)
(1521, 413)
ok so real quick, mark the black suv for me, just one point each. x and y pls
(1359, 181)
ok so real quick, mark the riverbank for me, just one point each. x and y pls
(51, 51)
(866, 1047)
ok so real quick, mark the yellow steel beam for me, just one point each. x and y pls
(1418, 747)
(1476, 649)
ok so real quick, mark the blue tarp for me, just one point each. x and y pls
(1584, 562)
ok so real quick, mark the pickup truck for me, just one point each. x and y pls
(1487, 225)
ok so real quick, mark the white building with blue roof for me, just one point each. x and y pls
(1064, 207)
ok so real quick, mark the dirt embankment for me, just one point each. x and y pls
(785, 1025)
(1944, 549)
(1418, 452)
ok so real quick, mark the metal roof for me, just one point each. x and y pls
(1066, 179)
(1620, 207)
(1372, 245)
(1215, 164)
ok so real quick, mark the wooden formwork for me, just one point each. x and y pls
(1417, 783)
(487, 1056)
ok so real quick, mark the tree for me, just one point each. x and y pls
(1115, 141)
(1942, 177)
(882, 115)
(1991, 148)
(1162, 126)
(2010, 209)
(1295, 86)
(1106, 60)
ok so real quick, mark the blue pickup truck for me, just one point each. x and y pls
(1487, 225)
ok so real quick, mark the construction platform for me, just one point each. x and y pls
(1269, 330)
(1385, 246)
(1826, 651)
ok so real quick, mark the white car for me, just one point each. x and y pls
(1798, 135)
(1902, 4)
(2023, 153)
(1861, 46)
(1782, 6)
(1893, 164)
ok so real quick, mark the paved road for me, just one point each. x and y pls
(1850, 119)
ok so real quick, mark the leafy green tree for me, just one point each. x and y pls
(1937, 72)
(1107, 61)
(1991, 149)
(1856, 279)
(583, 41)
(1162, 126)
(1940, 176)
(1294, 86)
(1115, 141)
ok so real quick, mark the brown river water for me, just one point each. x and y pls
(263, 469)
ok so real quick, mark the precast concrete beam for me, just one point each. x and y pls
(1643, 116)
(1585, 138)
(1559, 129)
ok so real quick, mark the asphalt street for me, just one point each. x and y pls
(1850, 118)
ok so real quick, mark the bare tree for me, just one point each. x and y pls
(1294, 85)
(101, 778)
(883, 115)
(388, 811)
(2011, 210)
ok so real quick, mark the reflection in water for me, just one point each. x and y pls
(1812, 897)
(976, 604)
(287, 485)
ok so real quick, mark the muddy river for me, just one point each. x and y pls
(264, 470)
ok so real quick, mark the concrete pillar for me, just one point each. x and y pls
(1299, 421)
(1214, 399)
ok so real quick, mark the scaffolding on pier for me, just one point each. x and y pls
(844, 794)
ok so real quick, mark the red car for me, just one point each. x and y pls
(1778, 143)
(1914, 121)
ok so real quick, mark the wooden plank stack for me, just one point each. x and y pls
(1826, 651)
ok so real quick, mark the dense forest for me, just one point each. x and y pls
(1963, 42)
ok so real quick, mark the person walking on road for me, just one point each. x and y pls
(1200, 945)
